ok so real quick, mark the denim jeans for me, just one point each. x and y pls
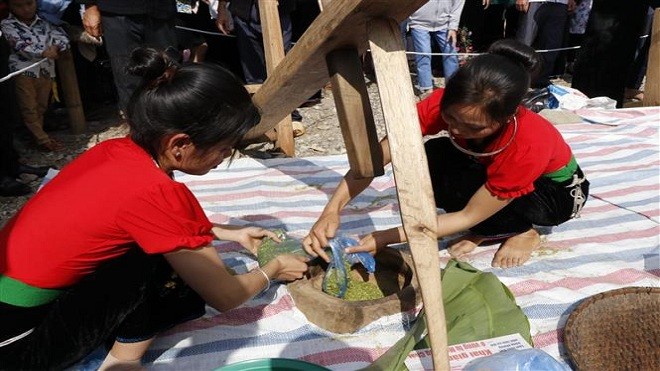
(422, 43)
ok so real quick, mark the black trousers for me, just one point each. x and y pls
(249, 38)
(130, 299)
(542, 27)
(456, 176)
(8, 116)
(608, 50)
(122, 34)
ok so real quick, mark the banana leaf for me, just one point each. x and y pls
(477, 306)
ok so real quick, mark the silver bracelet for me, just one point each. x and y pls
(258, 269)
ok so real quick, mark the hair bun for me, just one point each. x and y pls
(517, 52)
(148, 63)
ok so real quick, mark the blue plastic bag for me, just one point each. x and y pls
(336, 270)
(517, 360)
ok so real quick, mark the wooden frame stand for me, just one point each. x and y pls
(330, 50)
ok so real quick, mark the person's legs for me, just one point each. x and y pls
(85, 315)
(609, 48)
(8, 154)
(422, 44)
(472, 17)
(552, 19)
(250, 48)
(168, 301)
(550, 204)
(455, 178)
(493, 29)
(638, 68)
(28, 91)
(449, 62)
(160, 34)
(122, 34)
(527, 25)
(125, 356)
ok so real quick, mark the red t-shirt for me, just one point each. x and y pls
(110, 197)
(537, 148)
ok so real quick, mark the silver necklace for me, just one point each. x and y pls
(477, 154)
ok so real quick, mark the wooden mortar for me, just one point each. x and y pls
(394, 277)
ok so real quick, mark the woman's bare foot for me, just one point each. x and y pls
(464, 245)
(634, 94)
(516, 250)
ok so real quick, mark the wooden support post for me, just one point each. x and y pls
(323, 4)
(354, 112)
(252, 88)
(411, 175)
(274, 53)
(652, 86)
(69, 82)
(304, 70)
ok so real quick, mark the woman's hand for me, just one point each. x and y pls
(288, 267)
(368, 244)
(249, 237)
(325, 228)
(372, 242)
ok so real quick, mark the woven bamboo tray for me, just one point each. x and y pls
(616, 330)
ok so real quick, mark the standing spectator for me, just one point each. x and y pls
(542, 25)
(32, 39)
(473, 17)
(489, 21)
(500, 21)
(638, 68)
(126, 25)
(242, 16)
(10, 168)
(610, 42)
(577, 26)
(249, 36)
(437, 20)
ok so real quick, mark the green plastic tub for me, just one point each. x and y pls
(275, 364)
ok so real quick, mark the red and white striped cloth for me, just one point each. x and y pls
(614, 244)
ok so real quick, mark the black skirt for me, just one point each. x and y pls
(130, 298)
(456, 177)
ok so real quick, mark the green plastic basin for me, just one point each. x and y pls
(276, 364)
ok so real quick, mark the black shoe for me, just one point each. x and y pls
(39, 171)
(296, 116)
(10, 187)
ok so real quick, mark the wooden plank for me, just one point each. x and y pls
(252, 88)
(652, 85)
(356, 118)
(303, 71)
(69, 81)
(411, 175)
(274, 54)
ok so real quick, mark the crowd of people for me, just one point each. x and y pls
(133, 254)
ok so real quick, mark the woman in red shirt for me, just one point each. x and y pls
(113, 247)
(497, 169)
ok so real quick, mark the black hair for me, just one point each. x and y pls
(497, 80)
(204, 101)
